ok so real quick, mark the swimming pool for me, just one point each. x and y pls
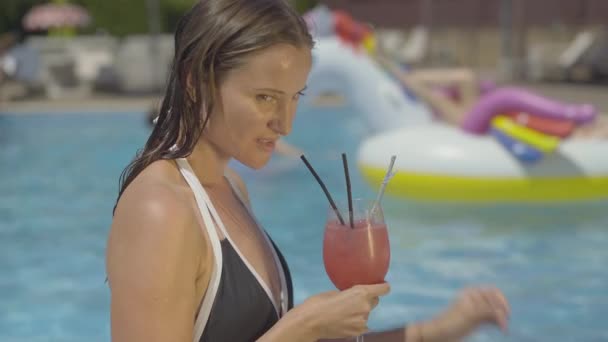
(59, 179)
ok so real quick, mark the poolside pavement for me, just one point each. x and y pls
(567, 92)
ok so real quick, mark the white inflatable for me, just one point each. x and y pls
(338, 71)
(441, 163)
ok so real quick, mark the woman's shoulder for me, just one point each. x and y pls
(153, 243)
(156, 198)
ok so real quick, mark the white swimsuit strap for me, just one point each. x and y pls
(253, 271)
(204, 205)
(283, 294)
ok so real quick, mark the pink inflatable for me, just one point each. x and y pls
(515, 100)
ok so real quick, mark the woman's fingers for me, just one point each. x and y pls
(497, 306)
(374, 302)
(377, 290)
(503, 301)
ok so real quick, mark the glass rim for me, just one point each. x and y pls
(362, 208)
(344, 203)
(355, 199)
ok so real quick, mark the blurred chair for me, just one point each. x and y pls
(138, 68)
(597, 56)
(416, 47)
(91, 53)
(390, 40)
(579, 60)
(57, 64)
(581, 43)
(21, 66)
(409, 48)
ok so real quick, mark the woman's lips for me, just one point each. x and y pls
(267, 145)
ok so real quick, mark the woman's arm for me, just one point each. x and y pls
(428, 331)
(449, 111)
(392, 335)
(472, 308)
(425, 331)
(153, 255)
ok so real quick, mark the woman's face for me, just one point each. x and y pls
(257, 103)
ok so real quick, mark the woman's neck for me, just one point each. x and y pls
(208, 163)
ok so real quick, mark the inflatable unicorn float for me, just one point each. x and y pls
(513, 146)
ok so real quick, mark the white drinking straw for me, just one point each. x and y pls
(387, 178)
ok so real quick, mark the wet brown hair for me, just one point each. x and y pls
(212, 38)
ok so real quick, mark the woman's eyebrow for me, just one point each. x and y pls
(278, 91)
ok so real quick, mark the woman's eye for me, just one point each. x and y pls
(300, 93)
(265, 98)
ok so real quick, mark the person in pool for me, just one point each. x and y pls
(186, 259)
(424, 83)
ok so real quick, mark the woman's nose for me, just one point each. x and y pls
(282, 122)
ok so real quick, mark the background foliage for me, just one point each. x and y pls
(117, 17)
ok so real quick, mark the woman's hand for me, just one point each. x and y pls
(472, 308)
(340, 314)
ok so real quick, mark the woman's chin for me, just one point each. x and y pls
(256, 164)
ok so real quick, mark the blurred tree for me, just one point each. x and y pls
(304, 5)
(118, 17)
(172, 10)
(121, 17)
(11, 12)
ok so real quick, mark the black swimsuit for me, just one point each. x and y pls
(241, 311)
(238, 305)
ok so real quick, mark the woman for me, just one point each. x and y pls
(186, 259)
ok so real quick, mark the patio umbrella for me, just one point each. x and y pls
(55, 15)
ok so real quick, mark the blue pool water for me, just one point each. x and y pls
(59, 179)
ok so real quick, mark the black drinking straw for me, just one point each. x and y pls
(348, 191)
(331, 201)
